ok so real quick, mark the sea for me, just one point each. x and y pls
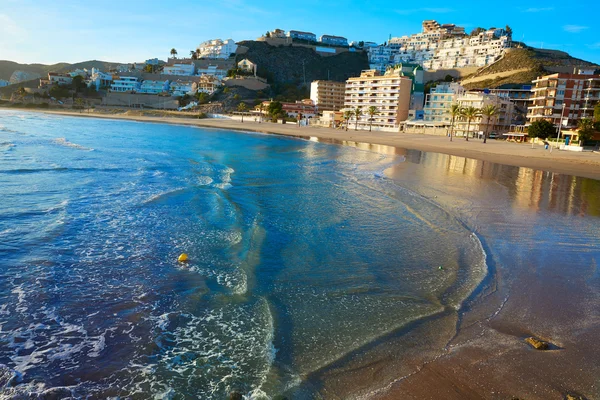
(301, 253)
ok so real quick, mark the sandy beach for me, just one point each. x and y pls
(551, 294)
(585, 164)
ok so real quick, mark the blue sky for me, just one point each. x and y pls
(131, 30)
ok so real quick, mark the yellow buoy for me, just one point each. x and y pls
(182, 257)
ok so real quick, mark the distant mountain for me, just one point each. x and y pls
(8, 68)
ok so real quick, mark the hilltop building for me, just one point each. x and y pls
(328, 95)
(99, 79)
(247, 65)
(154, 87)
(333, 40)
(217, 49)
(441, 47)
(389, 93)
(309, 36)
(579, 93)
(4, 83)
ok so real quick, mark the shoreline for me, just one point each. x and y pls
(585, 164)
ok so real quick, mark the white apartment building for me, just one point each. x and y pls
(180, 69)
(125, 84)
(207, 84)
(61, 79)
(439, 101)
(499, 123)
(212, 70)
(389, 93)
(441, 47)
(154, 87)
(181, 88)
(217, 49)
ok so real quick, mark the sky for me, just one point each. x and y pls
(42, 31)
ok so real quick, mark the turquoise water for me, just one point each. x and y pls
(300, 253)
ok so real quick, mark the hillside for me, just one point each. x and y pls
(520, 66)
(287, 64)
(7, 68)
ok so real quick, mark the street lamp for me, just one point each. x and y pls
(560, 122)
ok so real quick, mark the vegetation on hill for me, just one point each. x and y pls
(300, 65)
(527, 63)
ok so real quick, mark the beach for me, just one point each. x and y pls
(532, 214)
(586, 164)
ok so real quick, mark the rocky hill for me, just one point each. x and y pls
(296, 65)
(521, 65)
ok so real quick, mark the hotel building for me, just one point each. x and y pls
(328, 95)
(499, 123)
(578, 93)
(389, 93)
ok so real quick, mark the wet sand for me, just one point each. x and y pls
(552, 296)
(586, 164)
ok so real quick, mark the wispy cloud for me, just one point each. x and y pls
(538, 9)
(594, 45)
(574, 28)
(10, 29)
(409, 11)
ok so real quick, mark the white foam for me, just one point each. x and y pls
(66, 143)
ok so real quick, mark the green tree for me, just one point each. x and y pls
(541, 129)
(372, 111)
(193, 54)
(454, 113)
(242, 107)
(490, 111)
(78, 83)
(79, 104)
(477, 31)
(469, 113)
(597, 113)
(585, 130)
(173, 52)
(508, 30)
(347, 115)
(357, 113)
(275, 110)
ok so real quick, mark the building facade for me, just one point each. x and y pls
(439, 101)
(309, 36)
(328, 95)
(154, 87)
(306, 108)
(389, 93)
(180, 69)
(217, 49)
(61, 79)
(578, 93)
(247, 65)
(125, 84)
(4, 83)
(499, 123)
(333, 40)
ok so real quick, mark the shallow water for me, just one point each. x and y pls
(300, 252)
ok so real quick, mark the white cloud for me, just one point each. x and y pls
(594, 45)
(10, 29)
(540, 9)
(574, 28)
(424, 10)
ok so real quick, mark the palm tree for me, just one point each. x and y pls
(357, 113)
(242, 107)
(173, 52)
(454, 113)
(261, 107)
(490, 111)
(347, 115)
(193, 54)
(372, 111)
(469, 113)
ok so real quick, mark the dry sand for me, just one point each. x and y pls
(585, 164)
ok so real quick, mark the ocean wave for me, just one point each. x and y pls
(64, 142)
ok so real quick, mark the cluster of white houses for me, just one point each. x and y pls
(441, 47)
